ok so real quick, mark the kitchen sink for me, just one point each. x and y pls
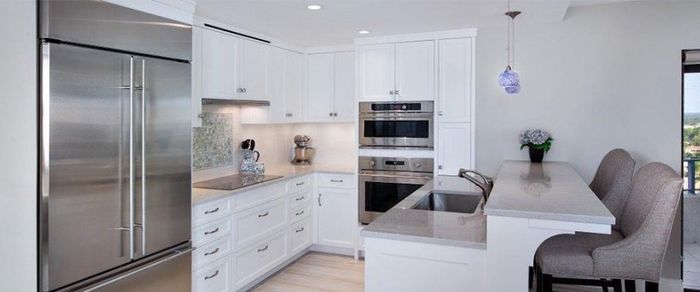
(459, 203)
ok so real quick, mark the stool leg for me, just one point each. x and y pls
(531, 274)
(630, 286)
(617, 285)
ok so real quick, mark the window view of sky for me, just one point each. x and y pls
(691, 92)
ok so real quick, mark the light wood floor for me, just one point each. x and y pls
(326, 272)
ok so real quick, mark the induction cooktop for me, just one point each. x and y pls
(236, 181)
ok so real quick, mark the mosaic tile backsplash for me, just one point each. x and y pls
(213, 141)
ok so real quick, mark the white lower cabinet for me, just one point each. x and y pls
(260, 258)
(240, 238)
(336, 211)
(215, 277)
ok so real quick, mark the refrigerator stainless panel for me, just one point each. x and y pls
(85, 222)
(164, 183)
(107, 25)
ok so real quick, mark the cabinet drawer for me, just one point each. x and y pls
(255, 197)
(299, 183)
(252, 225)
(208, 212)
(299, 213)
(299, 236)
(204, 234)
(260, 258)
(300, 198)
(216, 277)
(211, 252)
(336, 181)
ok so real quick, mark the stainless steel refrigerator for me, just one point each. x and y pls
(115, 145)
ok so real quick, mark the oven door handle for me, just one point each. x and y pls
(426, 177)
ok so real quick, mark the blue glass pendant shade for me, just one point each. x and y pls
(509, 80)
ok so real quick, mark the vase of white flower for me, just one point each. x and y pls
(538, 143)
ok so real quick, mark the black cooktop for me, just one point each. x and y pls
(236, 181)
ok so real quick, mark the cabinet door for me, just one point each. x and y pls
(218, 65)
(376, 69)
(337, 222)
(344, 87)
(252, 70)
(455, 85)
(294, 87)
(197, 76)
(276, 84)
(415, 71)
(454, 148)
(321, 93)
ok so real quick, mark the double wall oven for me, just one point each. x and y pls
(385, 181)
(396, 125)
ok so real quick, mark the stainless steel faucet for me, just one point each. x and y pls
(484, 182)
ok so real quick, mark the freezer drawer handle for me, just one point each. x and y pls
(263, 214)
(211, 211)
(212, 275)
(263, 249)
(300, 213)
(211, 252)
(336, 180)
(300, 198)
(299, 230)
(212, 232)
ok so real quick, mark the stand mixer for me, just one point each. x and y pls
(303, 153)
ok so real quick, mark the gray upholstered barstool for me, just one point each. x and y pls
(634, 251)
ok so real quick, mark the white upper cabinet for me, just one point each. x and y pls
(321, 69)
(455, 85)
(275, 82)
(397, 72)
(376, 72)
(331, 87)
(252, 70)
(344, 106)
(294, 87)
(218, 65)
(415, 71)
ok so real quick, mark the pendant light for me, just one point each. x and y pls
(509, 78)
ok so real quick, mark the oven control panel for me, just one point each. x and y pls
(396, 164)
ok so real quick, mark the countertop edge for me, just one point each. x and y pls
(548, 216)
(422, 239)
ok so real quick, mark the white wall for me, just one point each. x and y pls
(607, 76)
(18, 190)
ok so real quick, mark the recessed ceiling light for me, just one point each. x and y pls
(363, 32)
(314, 7)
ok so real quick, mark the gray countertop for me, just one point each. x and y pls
(287, 171)
(548, 191)
(434, 227)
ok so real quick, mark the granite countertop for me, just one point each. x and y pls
(548, 191)
(434, 227)
(287, 171)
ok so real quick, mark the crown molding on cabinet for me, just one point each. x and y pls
(446, 34)
(180, 10)
(330, 49)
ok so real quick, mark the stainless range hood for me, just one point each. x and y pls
(207, 101)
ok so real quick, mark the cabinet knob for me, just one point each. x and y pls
(391, 92)
(439, 166)
(200, 115)
(440, 113)
(289, 115)
(396, 92)
(330, 114)
(335, 114)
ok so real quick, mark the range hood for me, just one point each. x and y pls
(235, 102)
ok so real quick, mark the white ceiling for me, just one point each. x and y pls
(339, 20)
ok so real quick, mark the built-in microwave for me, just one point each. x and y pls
(396, 125)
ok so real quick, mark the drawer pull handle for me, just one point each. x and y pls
(212, 275)
(299, 230)
(263, 214)
(336, 180)
(212, 252)
(212, 232)
(300, 212)
(300, 198)
(211, 211)
(263, 249)
(300, 184)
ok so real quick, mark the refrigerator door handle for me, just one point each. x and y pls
(176, 254)
(131, 158)
(143, 158)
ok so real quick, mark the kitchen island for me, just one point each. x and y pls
(490, 250)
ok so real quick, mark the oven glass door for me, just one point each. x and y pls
(389, 131)
(378, 194)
